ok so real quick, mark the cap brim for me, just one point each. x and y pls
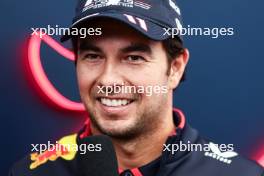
(148, 28)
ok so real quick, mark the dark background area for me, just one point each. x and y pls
(223, 96)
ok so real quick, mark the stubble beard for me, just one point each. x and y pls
(146, 123)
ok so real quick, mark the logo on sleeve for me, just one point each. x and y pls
(60, 150)
(224, 157)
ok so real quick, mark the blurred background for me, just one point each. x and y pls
(223, 95)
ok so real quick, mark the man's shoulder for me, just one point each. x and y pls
(56, 160)
(223, 159)
(246, 166)
(204, 157)
(230, 162)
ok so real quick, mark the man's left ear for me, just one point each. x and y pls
(177, 68)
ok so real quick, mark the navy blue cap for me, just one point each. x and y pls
(149, 17)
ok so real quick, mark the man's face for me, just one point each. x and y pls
(122, 56)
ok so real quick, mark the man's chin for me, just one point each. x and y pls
(121, 129)
(117, 126)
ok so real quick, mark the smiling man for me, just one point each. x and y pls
(150, 137)
(133, 120)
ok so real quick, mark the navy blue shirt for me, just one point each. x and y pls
(212, 162)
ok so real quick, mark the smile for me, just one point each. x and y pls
(114, 102)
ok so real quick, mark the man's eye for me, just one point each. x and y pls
(135, 58)
(92, 56)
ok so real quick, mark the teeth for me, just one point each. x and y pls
(114, 102)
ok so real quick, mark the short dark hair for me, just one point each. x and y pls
(173, 46)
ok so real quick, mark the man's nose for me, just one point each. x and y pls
(111, 75)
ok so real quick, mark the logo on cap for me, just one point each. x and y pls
(175, 7)
(94, 4)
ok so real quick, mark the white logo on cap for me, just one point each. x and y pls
(88, 2)
(94, 4)
(134, 20)
(175, 7)
(178, 24)
(113, 2)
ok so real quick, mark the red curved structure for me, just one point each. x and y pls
(40, 76)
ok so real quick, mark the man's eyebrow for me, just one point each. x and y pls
(137, 47)
(88, 46)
